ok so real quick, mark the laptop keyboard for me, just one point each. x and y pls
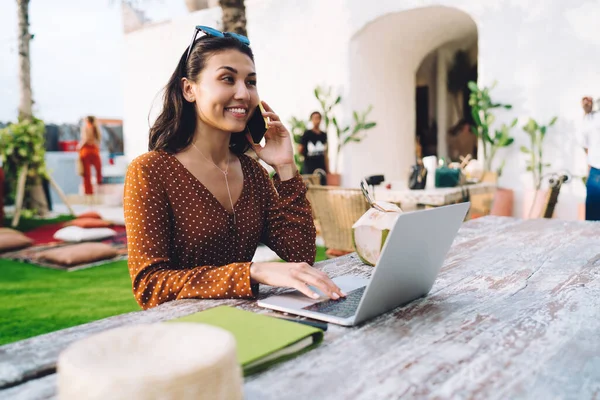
(343, 308)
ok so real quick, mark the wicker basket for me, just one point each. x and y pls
(312, 179)
(337, 209)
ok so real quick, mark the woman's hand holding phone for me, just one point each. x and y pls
(278, 150)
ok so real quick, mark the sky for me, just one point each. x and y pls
(76, 57)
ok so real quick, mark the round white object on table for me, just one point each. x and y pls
(167, 361)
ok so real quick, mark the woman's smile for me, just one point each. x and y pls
(239, 112)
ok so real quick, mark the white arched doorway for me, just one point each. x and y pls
(386, 57)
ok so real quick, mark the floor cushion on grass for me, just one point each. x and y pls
(77, 234)
(45, 234)
(30, 255)
(10, 241)
(77, 254)
(89, 223)
(90, 214)
(8, 230)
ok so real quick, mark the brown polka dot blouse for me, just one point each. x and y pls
(183, 244)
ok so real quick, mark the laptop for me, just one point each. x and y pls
(408, 265)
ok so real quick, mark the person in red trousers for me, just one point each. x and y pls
(89, 154)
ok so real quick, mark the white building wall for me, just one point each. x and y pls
(544, 56)
(150, 58)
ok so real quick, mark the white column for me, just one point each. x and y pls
(442, 102)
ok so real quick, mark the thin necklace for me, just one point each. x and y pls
(225, 173)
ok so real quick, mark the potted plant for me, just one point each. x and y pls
(492, 140)
(345, 134)
(534, 199)
(22, 146)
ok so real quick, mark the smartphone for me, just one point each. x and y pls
(257, 125)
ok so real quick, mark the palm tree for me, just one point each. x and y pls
(29, 189)
(25, 101)
(234, 16)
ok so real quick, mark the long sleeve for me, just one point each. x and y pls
(289, 229)
(155, 279)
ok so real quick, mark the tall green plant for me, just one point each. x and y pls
(345, 134)
(537, 134)
(327, 100)
(23, 144)
(298, 127)
(481, 110)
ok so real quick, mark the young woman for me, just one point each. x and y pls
(196, 207)
(89, 155)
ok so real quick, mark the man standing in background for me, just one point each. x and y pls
(590, 140)
(314, 148)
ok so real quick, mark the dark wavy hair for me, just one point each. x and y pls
(174, 128)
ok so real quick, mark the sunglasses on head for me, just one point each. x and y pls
(207, 30)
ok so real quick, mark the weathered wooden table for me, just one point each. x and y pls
(515, 313)
(433, 197)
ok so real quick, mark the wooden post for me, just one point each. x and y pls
(61, 194)
(20, 195)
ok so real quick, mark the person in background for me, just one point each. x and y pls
(314, 148)
(590, 141)
(89, 155)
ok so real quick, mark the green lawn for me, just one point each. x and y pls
(38, 300)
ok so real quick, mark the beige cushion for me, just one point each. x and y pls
(14, 241)
(8, 230)
(78, 254)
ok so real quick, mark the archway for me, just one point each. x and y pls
(385, 59)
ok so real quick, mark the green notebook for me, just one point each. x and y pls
(261, 340)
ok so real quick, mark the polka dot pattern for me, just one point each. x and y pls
(183, 243)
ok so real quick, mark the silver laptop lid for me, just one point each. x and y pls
(411, 258)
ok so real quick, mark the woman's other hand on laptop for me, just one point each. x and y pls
(296, 275)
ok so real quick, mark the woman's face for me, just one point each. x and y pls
(225, 92)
